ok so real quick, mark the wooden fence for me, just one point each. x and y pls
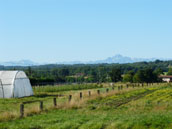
(119, 88)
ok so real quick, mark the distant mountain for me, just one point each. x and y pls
(124, 59)
(115, 59)
(19, 63)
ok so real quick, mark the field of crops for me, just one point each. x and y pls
(133, 107)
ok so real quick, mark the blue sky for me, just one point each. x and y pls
(70, 30)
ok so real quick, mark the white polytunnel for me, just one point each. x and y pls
(14, 84)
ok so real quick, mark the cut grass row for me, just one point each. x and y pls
(121, 98)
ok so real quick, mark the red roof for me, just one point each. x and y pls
(167, 76)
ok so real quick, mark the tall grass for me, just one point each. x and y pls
(33, 108)
(66, 88)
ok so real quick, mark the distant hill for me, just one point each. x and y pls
(110, 60)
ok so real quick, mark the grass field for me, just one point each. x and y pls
(52, 89)
(9, 108)
(132, 108)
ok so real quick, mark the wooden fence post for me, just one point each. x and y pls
(21, 110)
(98, 92)
(118, 88)
(127, 86)
(112, 88)
(121, 87)
(55, 102)
(89, 93)
(107, 90)
(70, 98)
(41, 106)
(80, 95)
(133, 85)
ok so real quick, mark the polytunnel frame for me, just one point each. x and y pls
(13, 82)
(2, 88)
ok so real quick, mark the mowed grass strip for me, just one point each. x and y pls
(122, 98)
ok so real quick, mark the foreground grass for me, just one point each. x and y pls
(138, 109)
(84, 119)
(9, 108)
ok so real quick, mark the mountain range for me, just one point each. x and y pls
(115, 59)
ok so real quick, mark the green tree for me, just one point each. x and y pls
(146, 75)
(158, 71)
(115, 74)
(102, 74)
(169, 71)
(139, 76)
(128, 77)
(63, 72)
(30, 71)
(70, 79)
(149, 75)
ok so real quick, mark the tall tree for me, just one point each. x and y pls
(115, 74)
(128, 77)
(145, 75)
(169, 71)
(158, 71)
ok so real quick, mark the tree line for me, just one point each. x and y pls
(96, 73)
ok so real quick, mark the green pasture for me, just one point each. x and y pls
(135, 108)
